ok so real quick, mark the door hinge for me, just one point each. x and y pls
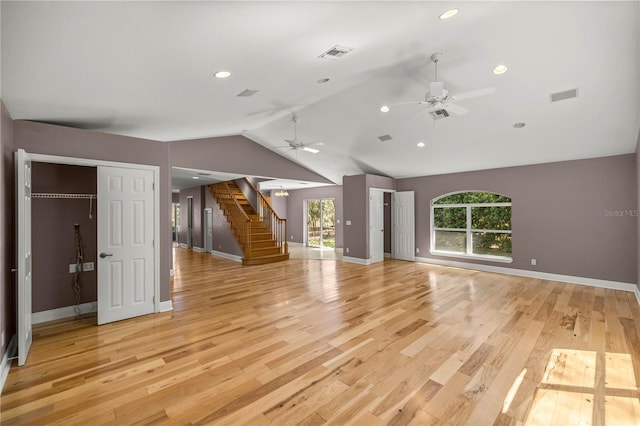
(153, 186)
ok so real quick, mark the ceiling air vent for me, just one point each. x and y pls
(439, 114)
(385, 138)
(246, 93)
(561, 96)
(335, 52)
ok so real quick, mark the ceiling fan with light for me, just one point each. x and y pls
(438, 102)
(297, 145)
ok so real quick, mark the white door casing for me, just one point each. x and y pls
(23, 255)
(403, 217)
(376, 225)
(125, 243)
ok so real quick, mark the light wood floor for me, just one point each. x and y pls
(313, 342)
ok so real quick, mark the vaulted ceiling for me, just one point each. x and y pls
(146, 69)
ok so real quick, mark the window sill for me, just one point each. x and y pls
(488, 258)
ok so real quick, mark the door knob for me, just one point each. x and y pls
(103, 255)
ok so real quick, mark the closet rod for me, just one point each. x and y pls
(54, 195)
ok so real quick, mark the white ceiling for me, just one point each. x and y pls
(145, 69)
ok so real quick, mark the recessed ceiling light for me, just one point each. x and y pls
(448, 14)
(518, 125)
(384, 108)
(420, 144)
(195, 177)
(323, 80)
(500, 69)
(222, 74)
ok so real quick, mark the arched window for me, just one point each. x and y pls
(472, 224)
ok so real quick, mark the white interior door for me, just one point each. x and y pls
(376, 225)
(403, 217)
(23, 218)
(125, 243)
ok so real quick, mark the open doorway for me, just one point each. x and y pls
(321, 223)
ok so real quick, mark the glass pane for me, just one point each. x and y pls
(450, 217)
(498, 218)
(493, 243)
(455, 241)
(328, 224)
(313, 223)
(473, 198)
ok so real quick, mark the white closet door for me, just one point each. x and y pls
(23, 215)
(403, 243)
(125, 243)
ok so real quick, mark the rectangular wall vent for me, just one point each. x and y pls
(561, 96)
(247, 92)
(384, 138)
(335, 52)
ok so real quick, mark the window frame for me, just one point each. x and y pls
(469, 230)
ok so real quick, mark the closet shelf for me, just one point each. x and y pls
(54, 195)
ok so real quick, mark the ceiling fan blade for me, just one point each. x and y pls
(474, 93)
(308, 149)
(456, 109)
(419, 111)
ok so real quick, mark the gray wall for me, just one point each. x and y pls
(356, 209)
(197, 216)
(237, 154)
(48, 139)
(223, 239)
(7, 296)
(295, 211)
(279, 204)
(638, 206)
(53, 241)
(563, 214)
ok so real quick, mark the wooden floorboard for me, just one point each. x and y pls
(315, 342)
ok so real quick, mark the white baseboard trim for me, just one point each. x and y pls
(171, 272)
(166, 306)
(198, 249)
(295, 244)
(637, 293)
(387, 255)
(339, 250)
(182, 245)
(60, 313)
(8, 355)
(593, 282)
(357, 260)
(227, 256)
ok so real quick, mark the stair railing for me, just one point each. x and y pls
(241, 223)
(271, 220)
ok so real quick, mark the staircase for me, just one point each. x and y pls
(261, 235)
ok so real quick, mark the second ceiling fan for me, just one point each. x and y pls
(438, 102)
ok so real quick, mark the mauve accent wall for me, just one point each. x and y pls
(356, 209)
(223, 239)
(49, 139)
(295, 210)
(54, 246)
(237, 154)
(569, 216)
(7, 283)
(638, 206)
(196, 214)
(279, 204)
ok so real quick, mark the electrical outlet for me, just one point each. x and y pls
(338, 221)
(88, 266)
(292, 238)
(73, 268)
(417, 250)
(534, 262)
(348, 222)
(347, 249)
(2, 339)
